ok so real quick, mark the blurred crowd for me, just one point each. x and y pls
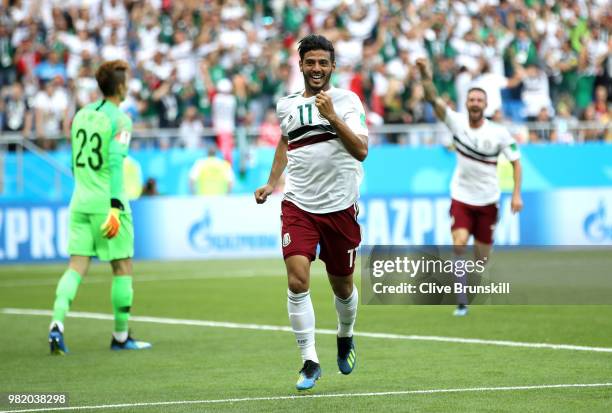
(200, 64)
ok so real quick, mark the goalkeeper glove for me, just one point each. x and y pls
(110, 227)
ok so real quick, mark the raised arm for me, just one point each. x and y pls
(431, 95)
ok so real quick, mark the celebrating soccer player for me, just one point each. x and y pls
(474, 188)
(100, 217)
(324, 141)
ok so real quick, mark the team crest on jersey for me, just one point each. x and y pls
(286, 239)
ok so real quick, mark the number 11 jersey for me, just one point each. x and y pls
(322, 176)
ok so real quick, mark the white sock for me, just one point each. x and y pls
(120, 336)
(347, 313)
(59, 325)
(302, 318)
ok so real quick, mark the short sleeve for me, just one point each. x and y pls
(509, 146)
(281, 112)
(454, 121)
(122, 134)
(355, 117)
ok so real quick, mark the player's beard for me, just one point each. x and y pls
(475, 114)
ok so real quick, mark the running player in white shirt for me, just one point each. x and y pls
(324, 141)
(474, 187)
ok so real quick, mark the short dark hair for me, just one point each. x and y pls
(316, 42)
(479, 89)
(110, 75)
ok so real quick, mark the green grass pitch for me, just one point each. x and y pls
(189, 363)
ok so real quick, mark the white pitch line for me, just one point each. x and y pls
(315, 396)
(263, 327)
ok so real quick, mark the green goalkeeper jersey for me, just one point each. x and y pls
(100, 138)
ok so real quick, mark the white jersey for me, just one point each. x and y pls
(475, 179)
(322, 176)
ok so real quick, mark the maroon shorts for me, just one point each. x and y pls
(478, 220)
(338, 233)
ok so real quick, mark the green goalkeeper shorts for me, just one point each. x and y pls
(85, 237)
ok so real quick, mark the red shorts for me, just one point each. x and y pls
(338, 233)
(478, 220)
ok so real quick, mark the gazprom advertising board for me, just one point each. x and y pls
(235, 227)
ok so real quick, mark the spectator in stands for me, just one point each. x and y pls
(492, 84)
(181, 54)
(165, 101)
(86, 85)
(601, 105)
(160, 65)
(495, 44)
(565, 124)
(50, 110)
(252, 45)
(535, 94)
(15, 113)
(269, 131)
(469, 50)
(394, 110)
(80, 47)
(562, 64)
(191, 130)
(150, 188)
(211, 175)
(224, 107)
(50, 68)
(542, 131)
(593, 52)
(113, 50)
(7, 51)
(523, 48)
(597, 130)
(444, 79)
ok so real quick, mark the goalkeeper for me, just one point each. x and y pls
(100, 217)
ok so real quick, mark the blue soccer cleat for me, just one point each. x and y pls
(56, 342)
(129, 344)
(347, 357)
(310, 373)
(461, 310)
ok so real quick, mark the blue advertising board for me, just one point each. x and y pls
(169, 228)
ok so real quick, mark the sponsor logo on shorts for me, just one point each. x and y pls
(286, 239)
